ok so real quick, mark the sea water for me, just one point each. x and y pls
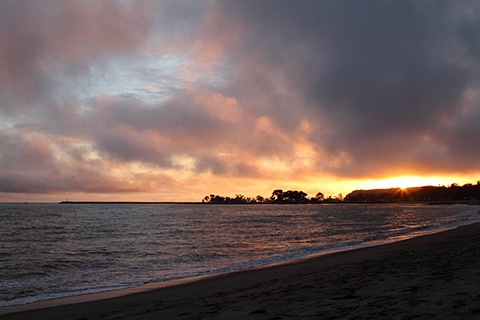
(55, 250)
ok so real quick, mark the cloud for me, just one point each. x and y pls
(203, 126)
(138, 96)
(46, 164)
(46, 42)
(377, 77)
(50, 46)
(23, 152)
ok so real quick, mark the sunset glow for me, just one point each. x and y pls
(154, 101)
(405, 182)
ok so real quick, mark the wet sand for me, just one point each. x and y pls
(429, 277)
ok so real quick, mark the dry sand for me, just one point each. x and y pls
(429, 277)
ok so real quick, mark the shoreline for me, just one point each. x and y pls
(154, 285)
(185, 296)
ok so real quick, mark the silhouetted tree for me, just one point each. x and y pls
(294, 196)
(318, 198)
(277, 195)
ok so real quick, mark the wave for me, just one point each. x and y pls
(105, 275)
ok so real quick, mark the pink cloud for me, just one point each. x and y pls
(40, 39)
(237, 90)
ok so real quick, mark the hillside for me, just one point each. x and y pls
(425, 193)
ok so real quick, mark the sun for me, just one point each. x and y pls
(402, 182)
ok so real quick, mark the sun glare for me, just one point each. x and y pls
(403, 182)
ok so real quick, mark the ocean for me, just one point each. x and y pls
(50, 251)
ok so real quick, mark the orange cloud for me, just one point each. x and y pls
(170, 97)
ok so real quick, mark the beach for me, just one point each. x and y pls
(429, 277)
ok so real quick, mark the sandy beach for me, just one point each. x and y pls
(430, 277)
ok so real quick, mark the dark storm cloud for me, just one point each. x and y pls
(379, 76)
(245, 89)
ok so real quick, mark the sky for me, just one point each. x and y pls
(175, 100)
